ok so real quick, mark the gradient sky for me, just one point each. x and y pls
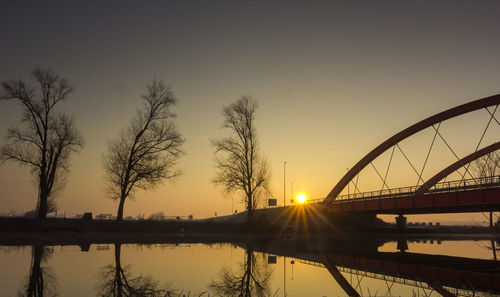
(333, 79)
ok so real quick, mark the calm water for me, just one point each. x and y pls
(253, 268)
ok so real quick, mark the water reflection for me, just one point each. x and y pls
(119, 281)
(41, 281)
(251, 279)
(425, 273)
(358, 266)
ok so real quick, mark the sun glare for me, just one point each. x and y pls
(301, 198)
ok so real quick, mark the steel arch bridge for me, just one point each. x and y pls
(445, 275)
(430, 195)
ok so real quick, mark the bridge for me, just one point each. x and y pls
(449, 276)
(475, 187)
(446, 275)
(470, 195)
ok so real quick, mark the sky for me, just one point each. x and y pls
(333, 79)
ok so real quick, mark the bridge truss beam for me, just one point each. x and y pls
(458, 164)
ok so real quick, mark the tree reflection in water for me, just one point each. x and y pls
(41, 281)
(119, 281)
(252, 279)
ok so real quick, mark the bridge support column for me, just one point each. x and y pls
(491, 219)
(402, 245)
(401, 221)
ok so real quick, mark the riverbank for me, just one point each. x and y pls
(215, 229)
(85, 239)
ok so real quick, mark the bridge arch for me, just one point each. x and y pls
(398, 137)
(456, 165)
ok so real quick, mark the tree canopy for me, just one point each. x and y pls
(145, 153)
(240, 164)
(45, 138)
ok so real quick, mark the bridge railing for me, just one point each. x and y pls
(391, 278)
(448, 186)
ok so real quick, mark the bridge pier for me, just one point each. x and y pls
(402, 245)
(401, 221)
(491, 219)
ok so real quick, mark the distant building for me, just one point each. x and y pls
(159, 216)
(103, 216)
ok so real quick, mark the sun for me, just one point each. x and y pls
(301, 198)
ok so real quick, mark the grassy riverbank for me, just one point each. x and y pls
(212, 228)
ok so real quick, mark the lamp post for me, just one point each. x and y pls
(284, 276)
(348, 186)
(284, 204)
(284, 183)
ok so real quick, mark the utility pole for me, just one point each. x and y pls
(348, 186)
(284, 276)
(284, 183)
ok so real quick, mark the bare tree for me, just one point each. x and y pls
(45, 139)
(145, 153)
(119, 281)
(488, 166)
(240, 165)
(253, 279)
(41, 280)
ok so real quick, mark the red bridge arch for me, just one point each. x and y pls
(428, 122)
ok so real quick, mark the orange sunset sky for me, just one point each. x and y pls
(333, 80)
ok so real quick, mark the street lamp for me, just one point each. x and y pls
(348, 186)
(284, 183)
(284, 276)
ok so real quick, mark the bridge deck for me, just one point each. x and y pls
(470, 195)
(449, 202)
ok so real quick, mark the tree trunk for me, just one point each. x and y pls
(35, 284)
(118, 271)
(42, 205)
(119, 216)
(248, 289)
(250, 211)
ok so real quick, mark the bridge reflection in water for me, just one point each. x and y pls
(445, 275)
(343, 256)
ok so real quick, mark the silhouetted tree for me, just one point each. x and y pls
(45, 139)
(488, 166)
(240, 165)
(146, 152)
(252, 279)
(41, 282)
(118, 281)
